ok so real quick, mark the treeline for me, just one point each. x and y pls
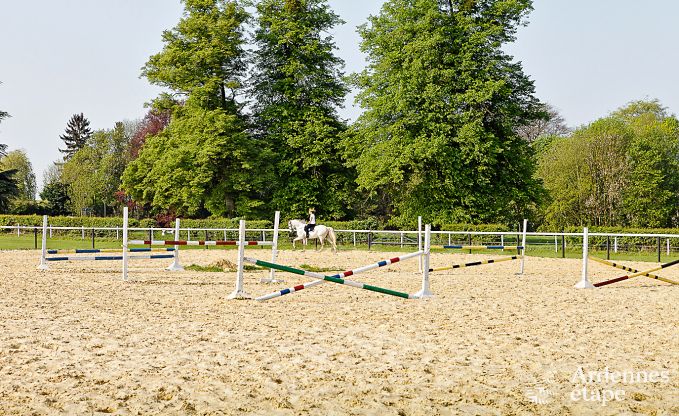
(450, 130)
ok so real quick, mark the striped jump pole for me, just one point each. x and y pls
(43, 256)
(453, 246)
(641, 273)
(322, 278)
(584, 282)
(176, 266)
(239, 292)
(474, 263)
(106, 250)
(338, 276)
(425, 292)
(629, 269)
(198, 243)
(376, 265)
(108, 258)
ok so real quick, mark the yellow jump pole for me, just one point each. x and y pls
(621, 278)
(474, 263)
(629, 269)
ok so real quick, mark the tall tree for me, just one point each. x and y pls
(442, 104)
(55, 193)
(93, 174)
(297, 87)
(77, 133)
(203, 161)
(9, 188)
(18, 161)
(621, 170)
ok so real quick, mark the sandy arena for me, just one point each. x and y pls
(78, 340)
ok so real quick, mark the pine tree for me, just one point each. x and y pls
(77, 133)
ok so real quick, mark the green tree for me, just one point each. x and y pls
(203, 161)
(54, 194)
(297, 88)
(621, 170)
(18, 160)
(9, 188)
(651, 198)
(77, 133)
(443, 104)
(93, 173)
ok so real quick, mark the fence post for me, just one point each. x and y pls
(615, 244)
(354, 238)
(563, 245)
(369, 240)
(668, 246)
(35, 238)
(206, 238)
(419, 243)
(556, 244)
(470, 242)
(608, 248)
(18, 232)
(83, 232)
(92, 237)
(658, 249)
(151, 236)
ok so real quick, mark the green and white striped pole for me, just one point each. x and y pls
(319, 276)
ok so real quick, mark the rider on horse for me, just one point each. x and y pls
(312, 222)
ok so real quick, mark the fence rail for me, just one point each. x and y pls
(614, 242)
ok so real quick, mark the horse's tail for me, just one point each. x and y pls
(333, 238)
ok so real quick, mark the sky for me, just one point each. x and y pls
(57, 58)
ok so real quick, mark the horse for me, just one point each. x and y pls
(320, 231)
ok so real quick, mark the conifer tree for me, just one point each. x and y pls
(77, 133)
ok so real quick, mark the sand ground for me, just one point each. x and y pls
(78, 340)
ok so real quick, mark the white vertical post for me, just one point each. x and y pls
(176, 266)
(584, 281)
(50, 232)
(401, 239)
(125, 224)
(43, 256)
(615, 245)
(419, 243)
(274, 251)
(239, 293)
(117, 233)
(523, 244)
(354, 238)
(502, 239)
(556, 245)
(425, 291)
(668, 246)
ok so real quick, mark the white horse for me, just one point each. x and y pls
(320, 231)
